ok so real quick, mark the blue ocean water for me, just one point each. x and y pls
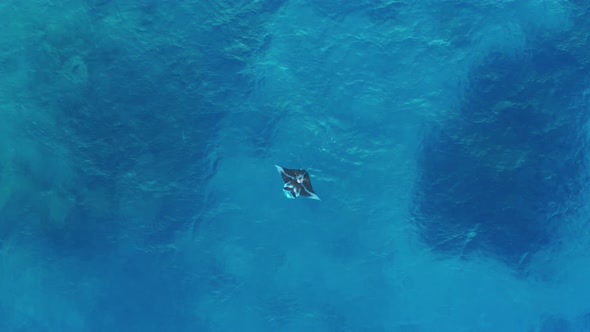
(447, 140)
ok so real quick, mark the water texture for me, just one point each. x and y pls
(448, 141)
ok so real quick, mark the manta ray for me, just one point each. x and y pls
(297, 183)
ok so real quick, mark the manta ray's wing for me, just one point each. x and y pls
(306, 189)
(290, 174)
(286, 176)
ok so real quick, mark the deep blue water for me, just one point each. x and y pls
(448, 141)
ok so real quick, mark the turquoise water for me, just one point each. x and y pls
(447, 141)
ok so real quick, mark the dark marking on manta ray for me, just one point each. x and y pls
(297, 183)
